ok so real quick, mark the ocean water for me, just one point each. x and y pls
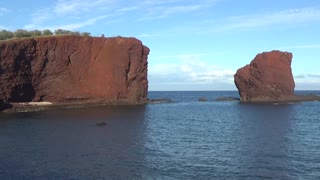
(183, 139)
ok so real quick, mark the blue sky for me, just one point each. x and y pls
(195, 44)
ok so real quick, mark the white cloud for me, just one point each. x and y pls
(39, 17)
(310, 46)
(300, 76)
(42, 15)
(189, 69)
(64, 7)
(3, 27)
(286, 17)
(307, 82)
(72, 14)
(316, 76)
(144, 35)
(71, 26)
(3, 11)
(313, 77)
(280, 19)
(307, 85)
(162, 9)
(74, 26)
(127, 9)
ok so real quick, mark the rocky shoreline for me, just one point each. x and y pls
(288, 99)
(43, 106)
(27, 107)
(282, 100)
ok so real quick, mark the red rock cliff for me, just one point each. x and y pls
(73, 68)
(268, 78)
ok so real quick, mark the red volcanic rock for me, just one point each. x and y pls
(74, 69)
(268, 78)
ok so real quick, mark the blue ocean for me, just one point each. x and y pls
(182, 139)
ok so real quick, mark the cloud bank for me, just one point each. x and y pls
(191, 72)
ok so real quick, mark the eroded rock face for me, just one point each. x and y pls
(74, 68)
(268, 78)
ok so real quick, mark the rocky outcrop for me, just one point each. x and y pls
(74, 69)
(268, 78)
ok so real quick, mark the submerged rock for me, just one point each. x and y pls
(202, 99)
(160, 100)
(268, 78)
(227, 99)
(101, 124)
(74, 69)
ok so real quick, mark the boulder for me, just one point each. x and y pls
(268, 78)
(74, 69)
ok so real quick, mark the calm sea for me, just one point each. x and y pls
(184, 139)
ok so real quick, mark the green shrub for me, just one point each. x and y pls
(20, 33)
(4, 34)
(61, 32)
(47, 32)
(86, 34)
(76, 33)
(36, 33)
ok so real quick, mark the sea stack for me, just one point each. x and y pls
(268, 78)
(74, 69)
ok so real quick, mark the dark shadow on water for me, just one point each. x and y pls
(68, 144)
(263, 139)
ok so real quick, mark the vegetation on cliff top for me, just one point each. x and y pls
(20, 33)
